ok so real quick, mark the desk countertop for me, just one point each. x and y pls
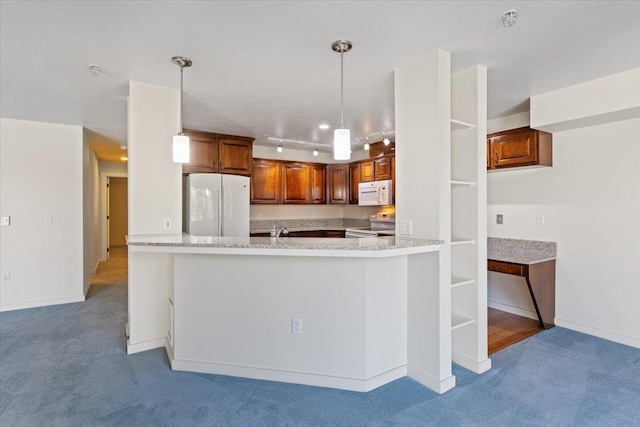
(519, 251)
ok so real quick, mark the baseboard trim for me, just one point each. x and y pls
(429, 381)
(513, 310)
(600, 333)
(95, 267)
(294, 377)
(145, 345)
(41, 303)
(472, 365)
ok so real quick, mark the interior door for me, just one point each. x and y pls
(108, 227)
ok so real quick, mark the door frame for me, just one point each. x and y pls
(104, 241)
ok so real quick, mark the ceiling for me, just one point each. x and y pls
(267, 68)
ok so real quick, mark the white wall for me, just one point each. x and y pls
(41, 174)
(155, 193)
(91, 214)
(112, 167)
(591, 202)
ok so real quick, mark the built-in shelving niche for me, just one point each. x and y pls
(468, 219)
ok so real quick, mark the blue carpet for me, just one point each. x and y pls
(66, 366)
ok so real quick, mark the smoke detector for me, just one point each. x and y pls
(509, 18)
(94, 70)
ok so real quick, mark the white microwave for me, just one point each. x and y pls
(375, 193)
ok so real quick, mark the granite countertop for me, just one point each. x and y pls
(520, 251)
(294, 243)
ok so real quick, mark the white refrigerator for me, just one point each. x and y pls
(216, 205)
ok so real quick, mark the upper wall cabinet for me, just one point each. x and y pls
(296, 180)
(519, 147)
(216, 153)
(318, 184)
(338, 183)
(265, 182)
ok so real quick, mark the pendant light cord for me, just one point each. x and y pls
(181, 70)
(341, 89)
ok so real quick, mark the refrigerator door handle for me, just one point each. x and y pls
(220, 211)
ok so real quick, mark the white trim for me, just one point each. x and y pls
(41, 303)
(600, 333)
(472, 365)
(429, 381)
(294, 377)
(95, 268)
(513, 310)
(145, 345)
(103, 209)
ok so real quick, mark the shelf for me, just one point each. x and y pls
(457, 125)
(456, 242)
(459, 321)
(465, 183)
(461, 281)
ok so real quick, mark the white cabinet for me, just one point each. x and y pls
(469, 219)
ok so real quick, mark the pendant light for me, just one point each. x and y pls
(342, 135)
(181, 141)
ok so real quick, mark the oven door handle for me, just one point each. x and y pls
(356, 234)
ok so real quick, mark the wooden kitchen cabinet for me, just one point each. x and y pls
(296, 180)
(203, 152)
(338, 180)
(266, 182)
(354, 180)
(216, 153)
(382, 168)
(318, 184)
(367, 171)
(519, 147)
(235, 155)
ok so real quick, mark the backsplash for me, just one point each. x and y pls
(263, 226)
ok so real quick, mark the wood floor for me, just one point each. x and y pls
(506, 329)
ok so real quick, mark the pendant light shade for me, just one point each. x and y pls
(181, 148)
(342, 144)
(342, 135)
(181, 141)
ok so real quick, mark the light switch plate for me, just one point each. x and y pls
(6, 220)
(499, 219)
(168, 224)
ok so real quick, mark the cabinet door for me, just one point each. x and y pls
(235, 155)
(382, 168)
(318, 184)
(393, 178)
(203, 152)
(296, 179)
(354, 180)
(367, 171)
(519, 147)
(338, 183)
(265, 182)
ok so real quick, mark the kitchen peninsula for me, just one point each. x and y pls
(352, 314)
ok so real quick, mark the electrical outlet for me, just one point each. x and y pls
(6, 277)
(48, 219)
(540, 219)
(259, 216)
(406, 227)
(168, 224)
(499, 219)
(296, 325)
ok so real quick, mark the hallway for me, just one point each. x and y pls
(113, 271)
